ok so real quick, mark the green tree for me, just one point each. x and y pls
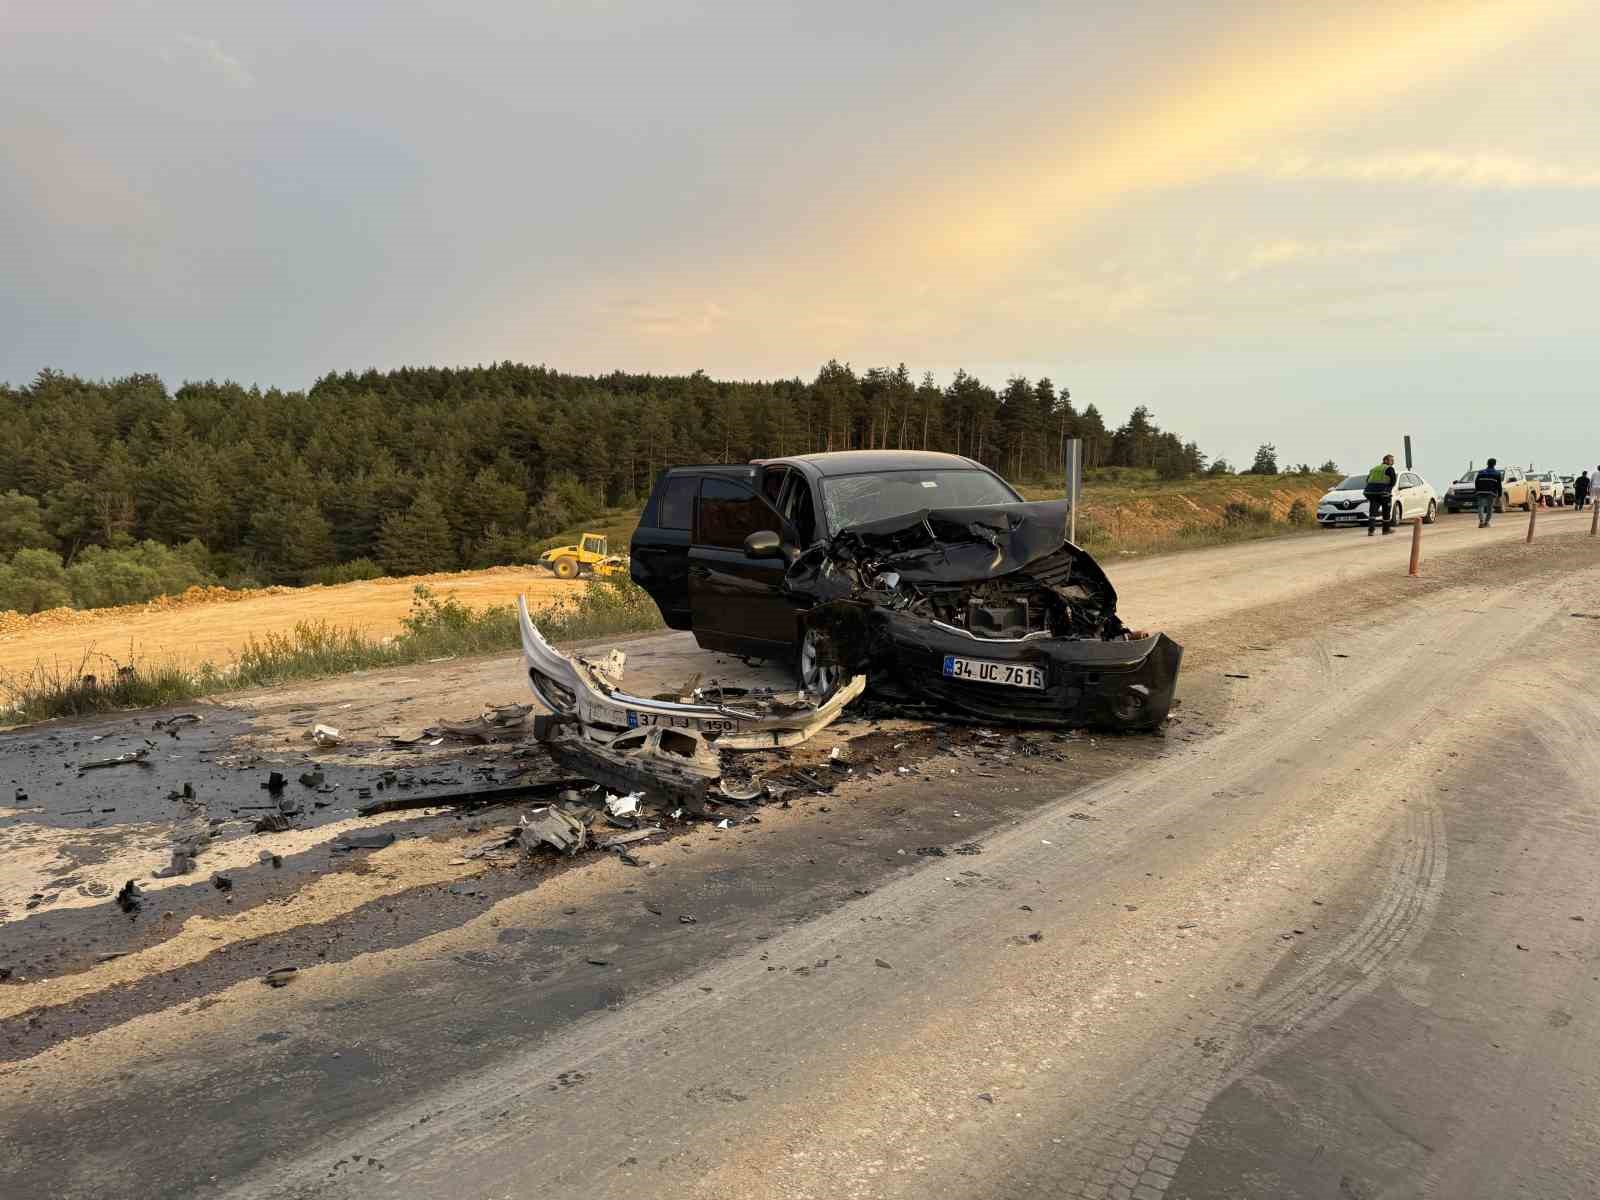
(22, 524)
(1266, 461)
(290, 540)
(417, 542)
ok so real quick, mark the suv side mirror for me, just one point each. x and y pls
(764, 543)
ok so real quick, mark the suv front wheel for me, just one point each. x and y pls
(815, 667)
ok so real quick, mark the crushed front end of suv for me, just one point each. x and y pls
(926, 573)
(988, 611)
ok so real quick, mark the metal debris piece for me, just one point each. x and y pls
(181, 864)
(223, 883)
(267, 856)
(273, 822)
(559, 830)
(275, 783)
(325, 736)
(502, 720)
(140, 756)
(628, 839)
(362, 840)
(280, 976)
(589, 689)
(676, 762)
(168, 724)
(312, 779)
(483, 796)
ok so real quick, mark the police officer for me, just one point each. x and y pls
(1487, 486)
(1380, 493)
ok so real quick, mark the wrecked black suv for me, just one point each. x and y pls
(925, 572)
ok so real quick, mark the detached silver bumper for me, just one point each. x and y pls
(590, 690)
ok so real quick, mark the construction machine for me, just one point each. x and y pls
(591, 556)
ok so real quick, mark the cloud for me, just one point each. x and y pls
(215, 58)
(665, 319)
(1472, 171)
(1575, 240)
(1283, 251)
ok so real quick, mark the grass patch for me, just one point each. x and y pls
(434, 628)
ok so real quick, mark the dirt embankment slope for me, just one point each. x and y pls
(217, 623)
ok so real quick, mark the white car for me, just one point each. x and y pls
(1346, 502)
(1552, 492)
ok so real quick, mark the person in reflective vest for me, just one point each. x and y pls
(1487, 486)
(1380, 494)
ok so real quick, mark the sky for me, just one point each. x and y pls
(1318, 225)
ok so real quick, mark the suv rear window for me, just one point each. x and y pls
(677, 502)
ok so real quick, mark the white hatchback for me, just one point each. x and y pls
(1346, 502)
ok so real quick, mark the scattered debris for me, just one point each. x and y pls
(551, 827)
(140, 756)
(131, 898)
(986, 1097)
(267, 856)
(275, 783)
(628, 839)
(480, 797)
(181, 864)
(312, 779)
(589, 690)
(624, 806)
(222, 882)
(1226, 676)
(496, 721)
(883, 964)
(280, 976)
(170, 725)
(675, 762)
(273, 822)
(325, 736)
(361, 840)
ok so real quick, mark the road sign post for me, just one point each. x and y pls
(1074, 465)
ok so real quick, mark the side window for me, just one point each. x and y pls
(772, 485)
(729, 513)
(677, 502)
(799, 510)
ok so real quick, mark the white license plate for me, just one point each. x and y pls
(981, 670)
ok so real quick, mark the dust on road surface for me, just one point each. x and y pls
(1320, 940)
(216, 630)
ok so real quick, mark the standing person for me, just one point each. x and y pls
(1580, 490)
(1380, 495)
(1486, 487)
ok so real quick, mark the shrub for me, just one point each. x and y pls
(1240, 513)
(1300, 513)
(33, 581)
(102, 576)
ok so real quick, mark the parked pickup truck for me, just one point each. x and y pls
(925, 572)
(1517, 491)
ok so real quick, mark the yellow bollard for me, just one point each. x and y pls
(1416, 547)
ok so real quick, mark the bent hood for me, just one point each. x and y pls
(970, 545)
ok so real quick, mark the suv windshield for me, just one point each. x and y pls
(858, 499)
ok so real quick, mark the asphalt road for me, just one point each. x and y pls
(1331, 937)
